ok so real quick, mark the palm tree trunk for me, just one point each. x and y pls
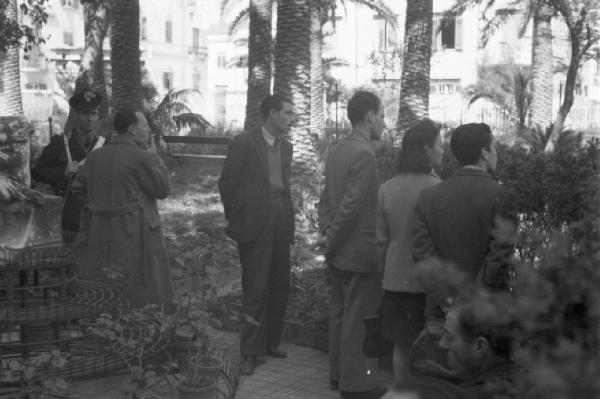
(125, 57)
(96, 22)
(292, 77)
(317, 89)
(14, 129)
(414, 86)
(11, 103)
(260, 55)
(541, 67)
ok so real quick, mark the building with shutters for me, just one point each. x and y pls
(172, 43)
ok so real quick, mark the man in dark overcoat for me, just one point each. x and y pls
(255, 191)
(457, 221)
(347, 219)
(121, 228)
(62, 157)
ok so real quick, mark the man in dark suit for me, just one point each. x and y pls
(62, 157)
(255, 191)
(347, 219)
(456, 220)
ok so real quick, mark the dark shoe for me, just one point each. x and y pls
(247, 365)
(278, 353)
(376, 393)
(334, 385)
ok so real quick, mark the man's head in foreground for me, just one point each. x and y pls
(475, 340)
(473, 144)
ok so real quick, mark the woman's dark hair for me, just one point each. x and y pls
(412, 158)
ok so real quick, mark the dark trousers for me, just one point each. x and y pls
(354, 296)
(266, 282)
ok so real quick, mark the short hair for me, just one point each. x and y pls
(468, 140)
(472, 324)
(272, 102)
(124, 119)
(360, 104)
(412, 158)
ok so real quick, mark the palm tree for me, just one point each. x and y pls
(292, 76)
(125, 57)
(507, 86)
(97, 15)
(414, 85)
(12, 121)
(542, 68)
(11, 103)
(173, 113)
(542, 71)
(260, 55)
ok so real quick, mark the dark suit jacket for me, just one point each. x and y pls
(454, 222)
(245, 186)
(348, 205)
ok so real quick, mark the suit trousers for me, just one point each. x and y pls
(354, 296)
(266, 281)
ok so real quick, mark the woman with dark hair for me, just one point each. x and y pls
(403, 303)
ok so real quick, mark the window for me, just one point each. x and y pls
(196, 81)
(168, 80)
(221, 61)
(447, 34)
(68, 38)
(36, 86)
(144, 28)
(195, 40)
(169, 31)
(70, 3)
(444, 86)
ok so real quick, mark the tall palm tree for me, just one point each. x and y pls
(542, 71)
(97, 14)
(292, 76)
(260, 56)
(11, 103)
(15, 141)
(125, 57)
(414, 85)
(542, 65)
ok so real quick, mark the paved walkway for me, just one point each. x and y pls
(304, 374)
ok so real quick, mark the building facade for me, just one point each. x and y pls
(172, 43)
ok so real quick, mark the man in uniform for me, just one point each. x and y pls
(62, 157)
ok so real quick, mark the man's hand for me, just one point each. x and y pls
(72, 168)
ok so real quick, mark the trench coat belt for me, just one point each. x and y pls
(125, 210)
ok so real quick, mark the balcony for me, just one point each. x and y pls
(197, 51)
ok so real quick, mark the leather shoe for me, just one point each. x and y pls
(248, 365)
(274, 352)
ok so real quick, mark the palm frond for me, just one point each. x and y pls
(381, 9)
(191, 120)
(239, 19)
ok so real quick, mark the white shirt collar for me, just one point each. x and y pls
(269, 138)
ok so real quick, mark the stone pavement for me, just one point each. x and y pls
(304, 374)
